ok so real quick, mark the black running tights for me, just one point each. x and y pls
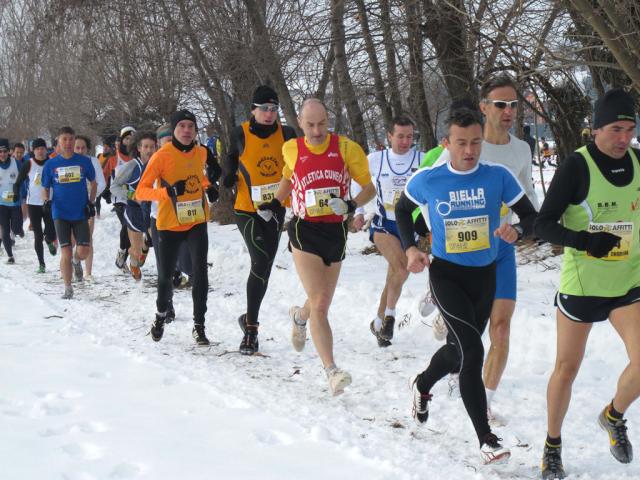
(262, 240)
(10, 219)
(464, 296)
(168, 245)
(124, 235)
(37, 217)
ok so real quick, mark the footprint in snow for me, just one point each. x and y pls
(83, 451)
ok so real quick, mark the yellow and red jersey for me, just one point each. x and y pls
(317, 172)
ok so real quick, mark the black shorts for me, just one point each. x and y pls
(80, 229)
(137, 218)
(326, 240)
(593, 309)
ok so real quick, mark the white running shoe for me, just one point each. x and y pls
(88, 279)
(420, 408)
(439, 327)
(338, 380)
(492, 452)
(454, 385)
(298, 329)
(426, 305)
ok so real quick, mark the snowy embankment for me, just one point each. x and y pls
(85, 393)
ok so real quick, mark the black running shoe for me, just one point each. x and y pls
(249, 344)
(11, 261)
(421, 401)
(386, 331)
(171, 313)
(551, 467)
(157, 327)
(381, 341)
(619, 444)
(199, 335)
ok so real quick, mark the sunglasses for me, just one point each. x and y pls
(502, 104)
(266, 107)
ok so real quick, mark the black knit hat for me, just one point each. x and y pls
(264, 94)
(4, 144)
(180, 115)
(38, 142)
(613, 106)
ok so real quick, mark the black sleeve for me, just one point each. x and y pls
(288, 132)
(568, 186)
(22, 176)
(213, 169)
(236, 147)
(404, 220)
(526, 213)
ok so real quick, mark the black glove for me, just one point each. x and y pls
(229, 180)
(46, 208)
(599, 244)
(90, 209)
(212, 193)
(16, 192)
(177, 188)
(267, 210)
(106, 194)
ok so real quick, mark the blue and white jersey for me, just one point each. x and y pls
(8, 175)
(390, 173)
(464, 208)
(133, 180)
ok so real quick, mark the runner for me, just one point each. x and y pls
(595, 194)
(114, 164)
(10, 215)
(391, 168)
(464, 198)
(254, 165)
(82, 146)
(318, 170)
(108, 151)
(18, 153)
(71, 206)
(31, 174)
(137, 213)
(179, 170)
(498, 104)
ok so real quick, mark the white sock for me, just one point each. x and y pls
(377, 323)
(490, 394)
(389, 312)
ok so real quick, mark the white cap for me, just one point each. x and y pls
(125, 130)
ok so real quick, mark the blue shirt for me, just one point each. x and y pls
(68, 179)
(464, 208)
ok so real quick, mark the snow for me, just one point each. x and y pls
(86, 394)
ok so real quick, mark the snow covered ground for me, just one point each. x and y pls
(85, 393)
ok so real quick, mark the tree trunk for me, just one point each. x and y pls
(378, 82)
(418, 104)
(390, 53)
(350, 99)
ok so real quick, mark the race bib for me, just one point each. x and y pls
(622, 229)
(8, 196)
(190, 212)
(467, 234)
(317, 201)
(263, 193)
(391, 198)
(69, 174)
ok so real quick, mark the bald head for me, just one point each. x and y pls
(314, 121)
